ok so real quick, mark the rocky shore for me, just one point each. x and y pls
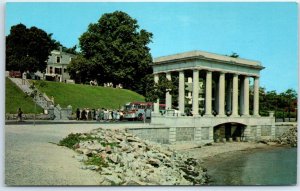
(124, 159)
(288, 138)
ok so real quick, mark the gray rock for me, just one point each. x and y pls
(113, 158)
(81, 158)
(92, 167)
(114, 179)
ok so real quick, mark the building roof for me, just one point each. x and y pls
(196, 54)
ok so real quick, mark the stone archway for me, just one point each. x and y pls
(235, 131)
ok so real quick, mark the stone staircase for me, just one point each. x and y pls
(42, 99)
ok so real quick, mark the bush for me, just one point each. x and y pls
(70, 140)
(96, 160)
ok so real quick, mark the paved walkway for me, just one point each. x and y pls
(31, 158)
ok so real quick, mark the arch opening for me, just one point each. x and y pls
(229, 131)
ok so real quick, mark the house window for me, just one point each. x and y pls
(57, 59)
(51, 70)
(65, 70)
(57, 70)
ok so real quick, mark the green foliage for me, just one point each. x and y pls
(70, 140)
(158, 90)
(86, 96)
(41, 83)
(116, 51)
(96, 160)
(16, 98)
(80, 69)
(27, 48)
(284, 104)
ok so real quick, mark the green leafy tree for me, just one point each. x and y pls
(158, 90)
(27, 48)
(118, 51)
(72, 50)
(80, 69)
(288, 101)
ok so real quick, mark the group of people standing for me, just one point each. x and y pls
(99, 114)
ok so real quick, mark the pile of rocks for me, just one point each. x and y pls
(132, 161)
(289, 137)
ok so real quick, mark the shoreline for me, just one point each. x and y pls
(226, 150)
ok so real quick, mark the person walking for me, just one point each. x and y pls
(77, 114)
(20, 113)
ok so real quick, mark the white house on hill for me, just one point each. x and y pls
(57, 66)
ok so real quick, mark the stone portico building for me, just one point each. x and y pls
(226, 110)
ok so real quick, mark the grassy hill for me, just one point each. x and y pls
(86, 96)
(16, 98)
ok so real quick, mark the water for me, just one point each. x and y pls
(264, 167)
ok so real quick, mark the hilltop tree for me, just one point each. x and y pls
(117, 50)
(27, 48)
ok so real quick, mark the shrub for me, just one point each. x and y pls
(70, 140)
(96, 160)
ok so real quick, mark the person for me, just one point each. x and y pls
(93, 114)
(20, 114)
(23, 78)
(83, 114)
(121, 115)
(105, 116)
(77, 114)
(89, 114)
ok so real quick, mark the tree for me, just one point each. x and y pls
(72, 50)
(27, 48)
(118, 50)
(158, 90)
(288, 99)
(80, 69)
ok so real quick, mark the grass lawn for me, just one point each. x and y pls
(15, 98)
(86, 96)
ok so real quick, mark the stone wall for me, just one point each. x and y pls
(185, 134)
(202, 135)
(160, 135)
(265, 130)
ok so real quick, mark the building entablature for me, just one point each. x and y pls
(206, 61)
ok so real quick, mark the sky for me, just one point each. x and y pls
(266, 32)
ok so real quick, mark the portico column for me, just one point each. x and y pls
(256, 97)
(221, 96)
(235, 91)
(208, 92)
(195, 92)
(168, 95)
(181, 92)
(228, 95)
(246, 96)
(156, 104)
